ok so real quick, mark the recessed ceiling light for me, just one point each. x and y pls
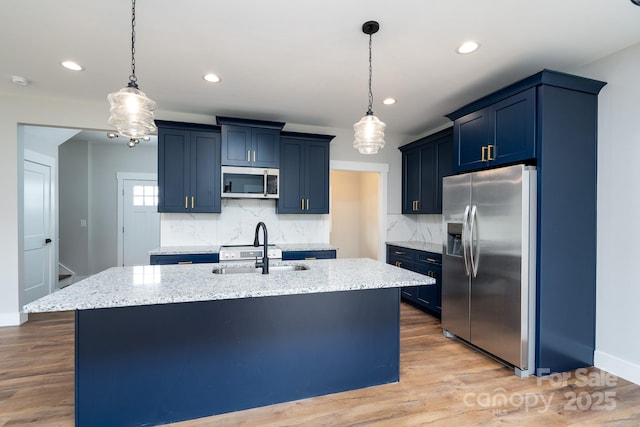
(20, 81)
(211, 78)
(389, 101)
(468, 47)
(70, 65)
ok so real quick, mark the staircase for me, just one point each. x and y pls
(66, 276)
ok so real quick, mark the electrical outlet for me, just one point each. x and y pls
(83, 223)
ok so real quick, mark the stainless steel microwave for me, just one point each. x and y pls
(252, 183)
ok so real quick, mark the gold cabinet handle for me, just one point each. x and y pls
(192, 202)
(489, 156)
(484, 153)
(398, 263)
(186, 202)
(185, 262)
(248, 156)
(417, 205)
(399, 253)
(254, 156)
(301, 204)
(307, 204)
(431, 260)
(310, 258)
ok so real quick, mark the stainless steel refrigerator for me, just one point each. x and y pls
(488, 262)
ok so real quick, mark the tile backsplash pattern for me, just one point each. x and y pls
(236, 225)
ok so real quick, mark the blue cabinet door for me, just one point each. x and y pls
(266, 148)
(471, 138)
(444, 164)
(428, 183)
(411, 180)
(502, 133)
(424, 163)
(515, 128)
(205, 172)
(236, 145)
(188, 169)
(250, 146)
(316, 178)
(291, 176)
(174, 159)
(304, 173)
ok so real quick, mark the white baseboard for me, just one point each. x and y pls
(13, 319)
(616, 366)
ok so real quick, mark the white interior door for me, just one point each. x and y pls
(141, 221)
(37, 229)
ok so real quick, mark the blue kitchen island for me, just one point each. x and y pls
(159, 344)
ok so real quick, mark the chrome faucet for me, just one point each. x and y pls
(265, 258)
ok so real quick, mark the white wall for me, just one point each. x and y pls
(73, 197)
(369, 230)
(105, 161)
(345, 213)
(618, 282)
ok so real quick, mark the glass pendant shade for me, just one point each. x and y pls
(132, 112)
(369, 134)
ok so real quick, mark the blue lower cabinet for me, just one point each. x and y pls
(184, 259)
(302, 255)
(428, 298)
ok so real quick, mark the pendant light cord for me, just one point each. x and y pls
(132, 77)
(370, 111)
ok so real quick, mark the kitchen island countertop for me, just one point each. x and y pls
(167, 284)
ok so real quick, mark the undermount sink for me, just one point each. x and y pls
(251, 269)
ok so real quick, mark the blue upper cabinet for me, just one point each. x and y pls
(254, 143)
(188, 167)
(499, 134)
(304, 173)
(424, 163)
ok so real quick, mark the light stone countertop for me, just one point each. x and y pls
(420, 246)
(286, 247)
(166, 284)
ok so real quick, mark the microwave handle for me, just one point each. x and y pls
(264, 187)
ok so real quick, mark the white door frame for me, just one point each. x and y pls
(35, 157)
(382, 169)
(121, 177)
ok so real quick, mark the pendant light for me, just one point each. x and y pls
(369, 131)
(131, 110)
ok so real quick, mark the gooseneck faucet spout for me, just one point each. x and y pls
(265, 258)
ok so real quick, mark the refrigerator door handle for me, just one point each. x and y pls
(473, 257)
(465, 240)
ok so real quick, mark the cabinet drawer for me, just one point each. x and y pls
(428, 258)
(302, 255)
(184, 259)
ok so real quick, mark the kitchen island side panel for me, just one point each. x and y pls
(156, 364)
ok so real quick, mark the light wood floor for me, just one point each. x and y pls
(442, 383)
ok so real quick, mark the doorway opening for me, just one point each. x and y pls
(358, 209)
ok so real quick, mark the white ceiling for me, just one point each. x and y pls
(304, 61)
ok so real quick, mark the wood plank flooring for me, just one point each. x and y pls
(442, 383)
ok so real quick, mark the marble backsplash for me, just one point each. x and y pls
(236, 225)
(420, 228)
